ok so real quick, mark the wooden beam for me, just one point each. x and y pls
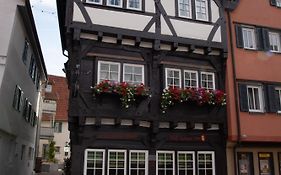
(191, 48)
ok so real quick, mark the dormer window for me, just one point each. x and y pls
(114, 3)
(134, 4)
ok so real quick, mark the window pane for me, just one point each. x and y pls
(104, 67)
(114, 68)
(90, 172)
(128, 69)
(257, 100)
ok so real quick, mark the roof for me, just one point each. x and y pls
(60, 93)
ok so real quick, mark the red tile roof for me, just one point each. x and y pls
(59, 93)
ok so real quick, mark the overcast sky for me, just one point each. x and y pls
(45, 15)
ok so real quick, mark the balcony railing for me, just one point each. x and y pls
(46, 132)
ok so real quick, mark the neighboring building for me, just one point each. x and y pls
(54, 124)
(253, 88)
(167, 43)
(22, 73)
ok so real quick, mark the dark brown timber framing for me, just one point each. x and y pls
(146, 127)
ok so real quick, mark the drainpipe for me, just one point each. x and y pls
(238, 143)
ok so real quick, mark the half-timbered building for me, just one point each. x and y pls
(144, 77)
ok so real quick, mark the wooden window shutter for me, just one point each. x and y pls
(243, 97)
(265, 39)
(21, 101)
(272, 99)
(273, 2)
(239, 36)
(259, 34)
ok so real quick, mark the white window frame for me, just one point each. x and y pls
(86, 156)
(213, 160)
(146, 159)
(92, 2)
(261, 98)
(135, 65)
(190, 71)
(118, 151)
(173, 152)
(207, 11)
(193, 159)
(108, 62)
(274, 35)
(166, 76)
(252, 30)
(279, 99)
(132, 8)
(278, 3)
(120, 6)
(190, 10)
(214, 82)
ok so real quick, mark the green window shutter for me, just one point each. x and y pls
(239, 36)
(243, 97)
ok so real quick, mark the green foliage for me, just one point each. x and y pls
(51, 151)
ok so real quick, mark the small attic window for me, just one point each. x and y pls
(48, 88)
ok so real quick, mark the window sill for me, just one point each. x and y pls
(256, 112)
(276, 52)
(251, 49)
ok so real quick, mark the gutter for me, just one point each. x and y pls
(238, 122)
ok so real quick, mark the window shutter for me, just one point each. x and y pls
(243, 98)
(21, 101)
(239, 36)
(15, 97)
(273, 2)
(265, 39)
(259, 34)
(272, 99)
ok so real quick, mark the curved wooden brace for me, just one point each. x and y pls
(218, 23)
(83, 11)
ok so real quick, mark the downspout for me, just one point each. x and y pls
(238, 143)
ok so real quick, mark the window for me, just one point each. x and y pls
(249, 38)
(25, 49)
(274, 41)
(255, 101)
(173, 78)
(186, 163)
(48, 88)
(165, 163)
(185, 8)
(245, 163)
(278, 3)
(58, 127)
(38, 80)
(22, 152)
(57, 149)
(116, 162)
(114, 3)
(138, 163)
(278, 92)
(94, 162)
(94, 1)
(265, 164)
(201, 9)
(134, 4)
(133, 74)
(30, 153)
(108, 71)
(32, 68)
(205, 163)
(279, 162)
(190, 79)
(18, 98)
(208, 80)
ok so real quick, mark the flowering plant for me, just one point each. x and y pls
(128, 92)
(200, 96)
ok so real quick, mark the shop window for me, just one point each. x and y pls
(186, 163)
(138, 163)
(116, 162)
(245, 163)
(165, 163)
(265, 164)
(206, 163)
